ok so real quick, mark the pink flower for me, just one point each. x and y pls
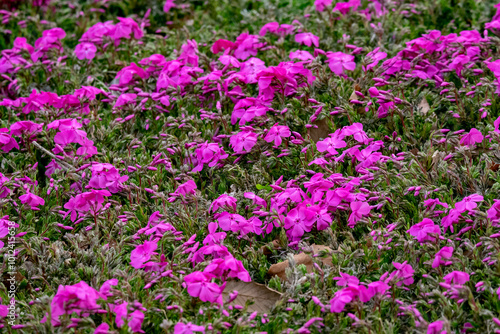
(85, 51)
(339, 61)
(223, 201)
(373, 58)
(187, 188)
(469, 203)
(189, 328)
(32, 200)
(494, 211)
(271, 27)
(120, 312)
(7, 142)
(424, 231)
(341, 298)
(25, 128)
(229, 60)
(331, 143)
(307, 39)
(356, 131)
(228, 267)
(102, 329)
(443, 253)
(209, 153)
(301, 55)
(235, 223)
(404, 273)
(76, 298)
(436, 327)
(142, 253)
(471, 138)
(496, 123)
(199, 285)
(247, 45)
(125, 99)
(276, 133)
(345, 7)
(359, 210)
(247, 109)
(346, 280)
(135, 321)
(106, 175)
(169, 4)
(456, 277)
(298, 221)
(128, 74)
(321, 4)
(243, 141)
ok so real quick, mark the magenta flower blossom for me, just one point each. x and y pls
(142, 253)
(189, 328)
(321, 4)
(199, 285)
(339, 61)
(243, 141)
(425, 231)
(403, 274)
(223, 201)
(185, 189)
(125, 99)
(7, 142)
(102, 329)
(373, 58)
(271, 27)
(85, 51)
(235, 223)
(301, 55)
(443, 253)
(342, 298)
(106, 175)
(247, 109)
(356, 131)
(209, 153)
(346, 280)
(471, 138)
(469, 203)
(307, 39)
(436, 327)
(32, 200)
(228, 267)
(169, 4)
(276, 133)
(298, 221)
(496, 123)
(28, 128)
(494, 211)
(345, 7)
(456, 277)
(330, 144)
(359, 210)
(79, 298)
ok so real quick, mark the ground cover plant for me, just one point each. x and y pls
(233, 166)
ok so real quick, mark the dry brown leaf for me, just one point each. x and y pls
(263, 297)
(423, 107)
(302, 258)
(268, 249)
(321, 132)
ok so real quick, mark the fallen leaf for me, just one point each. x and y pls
(302, 258)
(268, 249)
(423, 107)
(263, 298)
(321, 132)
